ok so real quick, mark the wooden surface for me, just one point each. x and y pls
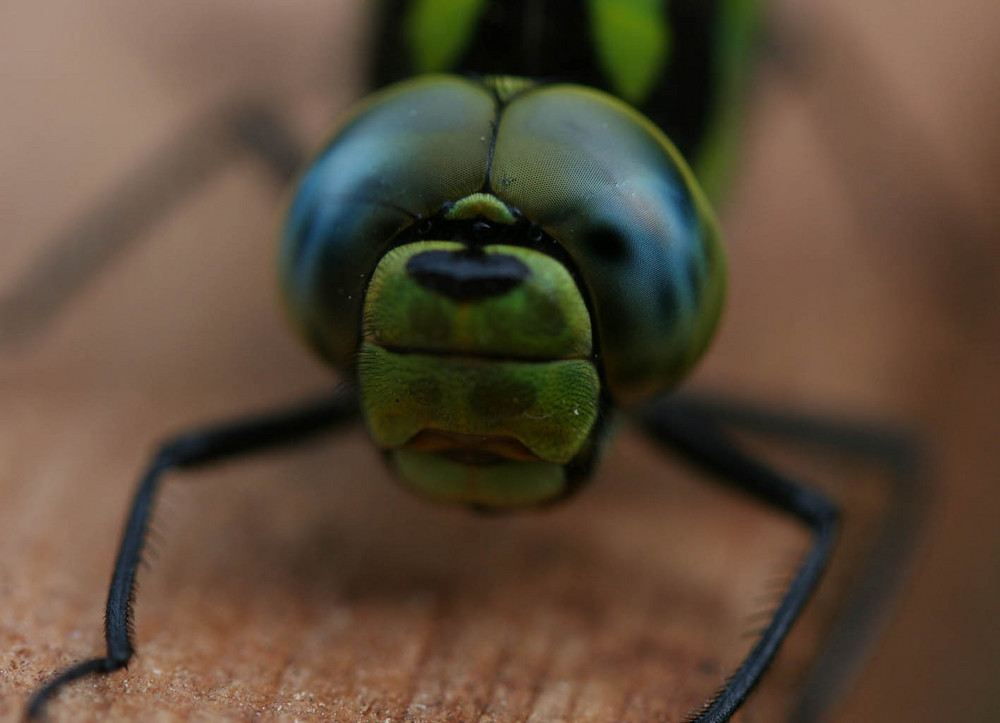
(308, 586)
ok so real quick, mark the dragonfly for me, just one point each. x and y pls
(504, 254)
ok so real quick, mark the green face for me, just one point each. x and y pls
(476, 370)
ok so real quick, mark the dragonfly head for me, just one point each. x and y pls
(498, 264)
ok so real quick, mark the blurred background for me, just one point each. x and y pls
(864, 261)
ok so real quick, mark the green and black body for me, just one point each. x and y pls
(685, 64)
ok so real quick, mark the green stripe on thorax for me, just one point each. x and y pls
(632, 40)
(438, 31)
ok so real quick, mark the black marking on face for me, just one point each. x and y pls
(464, 276)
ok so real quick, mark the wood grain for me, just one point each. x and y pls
(307, 586)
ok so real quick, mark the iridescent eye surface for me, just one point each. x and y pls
(589, 181)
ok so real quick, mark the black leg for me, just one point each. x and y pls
(864, 610)
(193, 449)
(699, 439)
(145, 196)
